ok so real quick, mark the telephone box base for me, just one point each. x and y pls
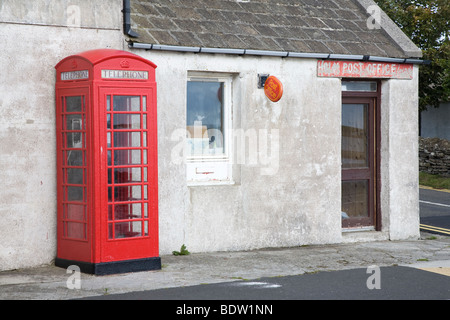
(113, 267)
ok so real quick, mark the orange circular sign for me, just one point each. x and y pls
(273, 88)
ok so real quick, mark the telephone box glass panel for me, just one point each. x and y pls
(74, 200)
(127, 151)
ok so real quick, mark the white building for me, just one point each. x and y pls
(334, 160)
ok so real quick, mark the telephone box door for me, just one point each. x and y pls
(73, 177)
(129, 139)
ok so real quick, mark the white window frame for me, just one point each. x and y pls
(210, 169)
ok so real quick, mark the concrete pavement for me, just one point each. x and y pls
(431, 253)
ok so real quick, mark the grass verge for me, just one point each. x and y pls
(434, 181)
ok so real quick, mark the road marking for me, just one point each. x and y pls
(435, 229)
(263, 285)
(435, 203)
(440, 270)
(439, 190)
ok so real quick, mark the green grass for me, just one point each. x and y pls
(434, 181)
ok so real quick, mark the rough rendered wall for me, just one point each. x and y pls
(399, 158)
(35, 37)
(297, 203)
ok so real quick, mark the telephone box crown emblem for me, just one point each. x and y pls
(125, 64)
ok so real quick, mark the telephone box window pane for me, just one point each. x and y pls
(75, 212)
(127, 121)
(75, 158)
(127, 139)
(145, 210)
(127, 103)
(127, 193)
(75, 193)
(75, 176)
(76, 230)
(145, 193)
(74, 122)
(73, 104)
(110, 231)
(75, 140)
(127, 175)
(205, 117)
(355, 201)
(128, 229)
(127, 157)
(144, 139)
(127, 211)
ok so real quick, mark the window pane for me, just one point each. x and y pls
(354, 135)
(127, 139)
(355, 199)
(74, 140)
(75, 176)
(127, 121)
(75, 158)
(128, 229)
(127, 175)
(127, 103)
(75, 193)
(127, 193)
(127, 157)
(73, 104)
(205, 117)
(74, 122)
(127, 211)
(359, 86)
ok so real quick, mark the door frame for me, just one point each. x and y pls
(374, 100)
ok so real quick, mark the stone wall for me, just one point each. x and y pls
(434, 156)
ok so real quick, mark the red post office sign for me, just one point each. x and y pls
(273, 88)
(364, 69)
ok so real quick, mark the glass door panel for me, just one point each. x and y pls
(355, 135)
(357, 156)
(126, 151)
(74, 184)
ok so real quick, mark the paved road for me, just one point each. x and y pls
(435, 211)
(386, 283)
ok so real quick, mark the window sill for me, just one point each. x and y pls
(210, 183)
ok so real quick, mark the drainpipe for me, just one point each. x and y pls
(127, 20)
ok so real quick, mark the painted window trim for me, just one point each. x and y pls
(210, 169)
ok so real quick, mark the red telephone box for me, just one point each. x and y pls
(107, 185)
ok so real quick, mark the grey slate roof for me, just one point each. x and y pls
(310, 26)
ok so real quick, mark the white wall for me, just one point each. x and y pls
(35, 37)
(399, 156)
(299, 204)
